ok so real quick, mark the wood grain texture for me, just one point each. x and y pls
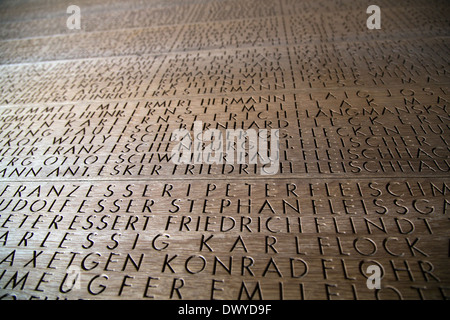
(93, 206)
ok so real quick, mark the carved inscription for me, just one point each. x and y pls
(93, 204)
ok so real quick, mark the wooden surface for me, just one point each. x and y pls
(88, 190)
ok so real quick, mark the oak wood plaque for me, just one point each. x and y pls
(232, 150)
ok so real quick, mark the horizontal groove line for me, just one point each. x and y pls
(233, 178)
